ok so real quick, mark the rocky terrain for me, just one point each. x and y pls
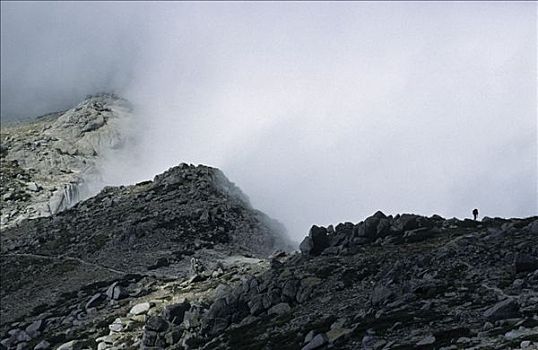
(185, 262)
(48, 162)
(182, 263)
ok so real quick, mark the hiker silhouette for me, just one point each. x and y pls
(475, 213)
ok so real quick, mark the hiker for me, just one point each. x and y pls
(475, 213)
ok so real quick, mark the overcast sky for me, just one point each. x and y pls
(320, 112)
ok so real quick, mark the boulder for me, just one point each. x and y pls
(502, 310)
(405, 222)
(317, 342)
(174, 313)
(72, 345)
(42, 345)
(94, 300)
(320, 239)
(417, 235)
(427, 340)
(306, 246)
(279, 309)
(116, 292)
(157, 324)
(35, 327)
(370, 227)
(525, 263)
(140, 309)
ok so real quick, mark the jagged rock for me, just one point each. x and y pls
(157, 324)
(317, 342)
(380, 294)
(369, 228)
(503, 309)
(34, 328)
(174, 313)
(116, 292)
(279, 309)
(42, 345)
(309, 336)
(525, 263)
(94, 300)
(32, 186)
(161, 262)
(307, 246)
(338, 334)
(316, 242)
(406, 222)
(418, 235)
(173, 337)
(428, 340)
(116, 326)
(73, 345)
(22, 346)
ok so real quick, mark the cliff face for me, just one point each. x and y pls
(47, 163)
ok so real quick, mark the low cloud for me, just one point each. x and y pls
(320, 112)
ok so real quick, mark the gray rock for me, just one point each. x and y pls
(94, 300)
(369, 229)
(533, 227)
(73, 345)
(502, 310)
(406, 222)
(32, 186)
(116, 292)
(22, 346)
(140, 309)
(309, 336)
(157, 324)
(35, 327)
(525, 263)
(306, 246)
(149, 338)
(256, 305)
(317, 342)
(174, 313)
(380, 295)
(290, 290)
(320, 240)
(383, 228)
(417, 235)
(172, 337)
(279, 309)
(428, 340)
(117, 326)
(42, 345)
(22, 336)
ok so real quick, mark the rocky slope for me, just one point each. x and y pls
(48, 162)
(183, 262)
(153, 228)
(402, 282)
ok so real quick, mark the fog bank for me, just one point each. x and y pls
(320, 112)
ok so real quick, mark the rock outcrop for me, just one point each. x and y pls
(48, 162)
